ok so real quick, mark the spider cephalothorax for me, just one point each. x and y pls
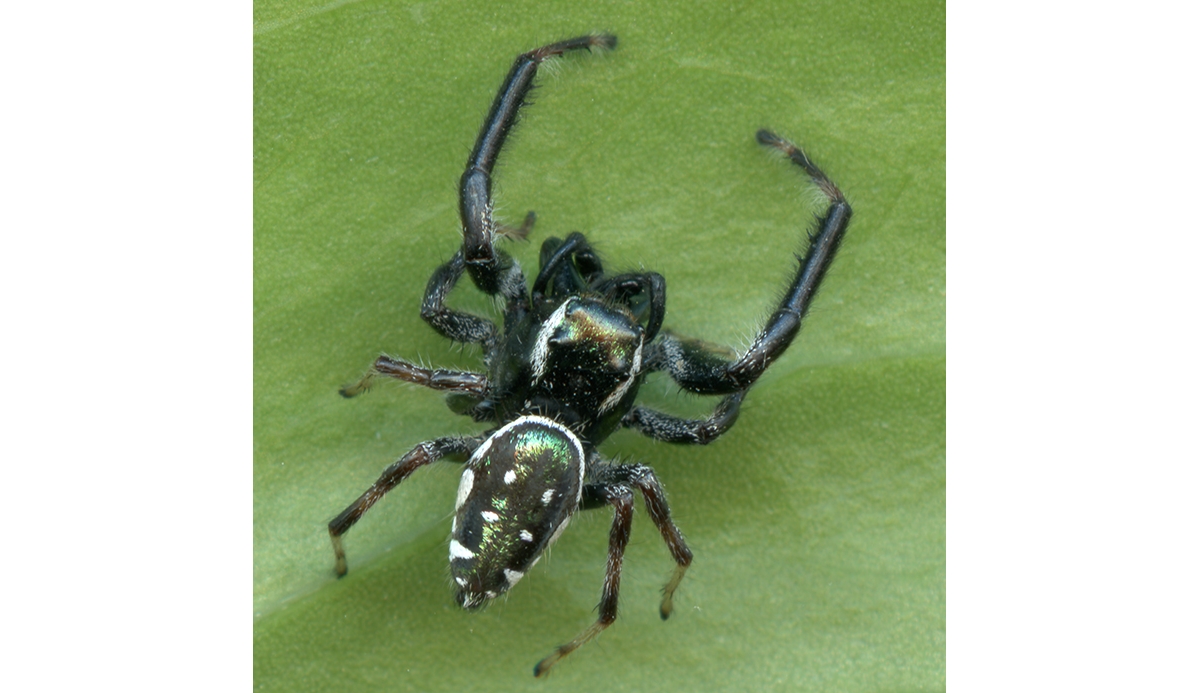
(562, 374)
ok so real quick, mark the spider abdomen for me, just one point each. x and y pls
(515, 497)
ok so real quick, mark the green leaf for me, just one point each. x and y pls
(818, 522)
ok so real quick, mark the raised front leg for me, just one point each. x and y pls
(493, 271)
(454, 324)
(697, 370)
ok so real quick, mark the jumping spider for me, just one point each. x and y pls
(562, 375)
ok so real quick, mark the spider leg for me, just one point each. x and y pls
(425, 453)
(621, 498)
(453, 324)
(450, 323)
(642, 478)
(672, 429)
(698, 370)
(466, 382)
(650, 285)
(493, 271)
(568, 277)
(613, 485)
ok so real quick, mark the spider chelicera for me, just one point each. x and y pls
(562, 374)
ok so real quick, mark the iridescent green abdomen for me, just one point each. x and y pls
(516, 496)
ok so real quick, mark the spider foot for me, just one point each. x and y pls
(797, 155)
(564, 650)
(360, 387)
(668, 602)
(339, 555)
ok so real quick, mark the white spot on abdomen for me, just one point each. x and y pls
(489, 516)
(464, 488)
(457, 550)
(526, 535)
(510, 476)
(558, 531)
(513, 576)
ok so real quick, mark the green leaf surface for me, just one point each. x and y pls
(818, 522)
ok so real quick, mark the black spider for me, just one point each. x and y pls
(562, 375)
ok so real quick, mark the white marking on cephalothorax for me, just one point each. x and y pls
(490, 516)
(510, 476)
(454, 525)
(526, 535)
(490, 594)
(547, 497)
(558, 531)
(513, 576)
(462, 581)
(464, 488)
(457, 550)
(636, 367)
(541, 347)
